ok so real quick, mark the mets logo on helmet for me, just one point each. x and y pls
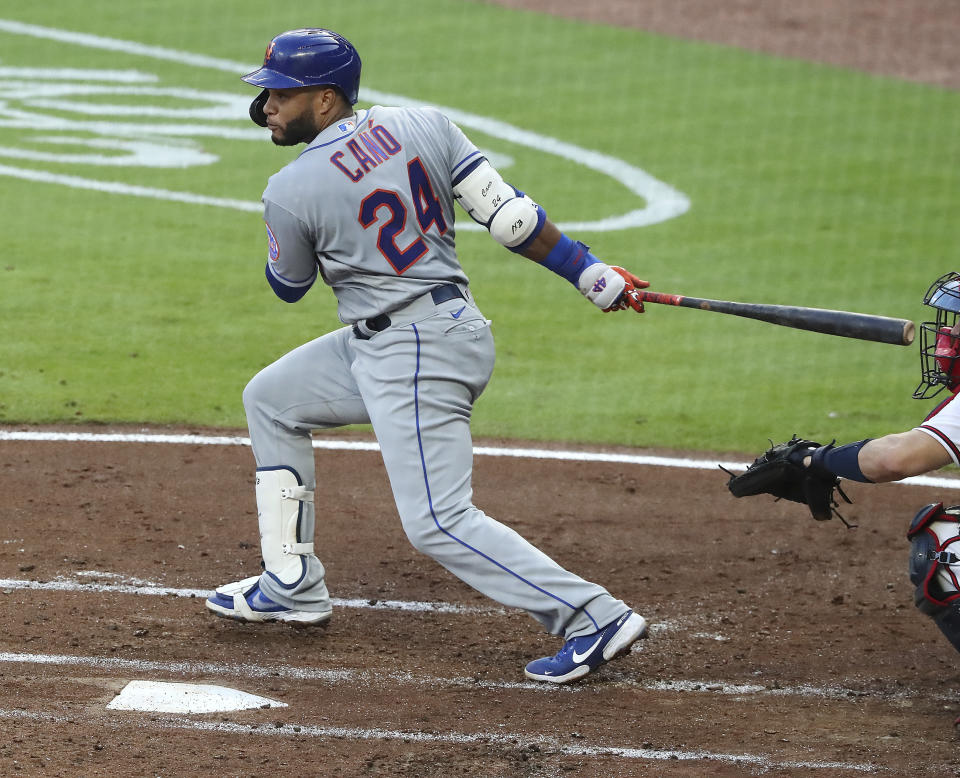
(269, 52)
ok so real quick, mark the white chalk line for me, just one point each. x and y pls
(140, 588)
(131, 190)
(68, 585)
(512, 740)
(195, 668)
(353, 445)
(393, 678)
(373, 678)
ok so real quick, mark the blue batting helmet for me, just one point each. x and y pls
(309, 57)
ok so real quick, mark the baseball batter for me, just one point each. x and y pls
(368, 209)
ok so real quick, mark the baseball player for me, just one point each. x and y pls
(367, 208)
(933, 443)
(811, 468)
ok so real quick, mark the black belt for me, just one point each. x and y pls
(440, 294)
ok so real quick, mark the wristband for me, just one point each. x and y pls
(843, 461)
(569, 258)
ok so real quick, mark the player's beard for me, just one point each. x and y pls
(303, 129)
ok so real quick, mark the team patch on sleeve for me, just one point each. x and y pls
(273, 246)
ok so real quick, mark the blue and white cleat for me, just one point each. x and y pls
(243, 601)
(586, 653)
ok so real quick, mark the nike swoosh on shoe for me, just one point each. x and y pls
(578, 658)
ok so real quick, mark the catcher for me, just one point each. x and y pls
(810, 473)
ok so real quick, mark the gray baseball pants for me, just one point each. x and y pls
(415, 382)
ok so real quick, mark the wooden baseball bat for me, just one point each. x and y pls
(862, 326)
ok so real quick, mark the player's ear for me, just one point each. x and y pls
(327, 98)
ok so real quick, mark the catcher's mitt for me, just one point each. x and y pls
(780, 471)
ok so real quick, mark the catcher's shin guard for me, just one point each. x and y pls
(280, 498)
(934, 536)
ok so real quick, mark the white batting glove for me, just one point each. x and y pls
(611, 288)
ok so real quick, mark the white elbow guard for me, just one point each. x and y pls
(511, 217)
(518, 221)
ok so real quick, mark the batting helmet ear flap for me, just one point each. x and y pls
(256, 108)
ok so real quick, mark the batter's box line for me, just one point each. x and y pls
(332, 676)
(63, 584)
(501, 739)
(837, 693)
(379, 677)
(140, 587)
(72, 585)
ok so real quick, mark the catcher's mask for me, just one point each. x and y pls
(940, 339)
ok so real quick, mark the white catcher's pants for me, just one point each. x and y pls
(416, 383)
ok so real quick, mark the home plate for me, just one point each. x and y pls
(163, 697)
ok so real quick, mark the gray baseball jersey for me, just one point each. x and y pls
(370, 203)
(369, 207)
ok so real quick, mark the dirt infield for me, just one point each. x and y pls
(780, 646)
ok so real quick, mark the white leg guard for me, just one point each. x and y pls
(237, 587)
(279, 512)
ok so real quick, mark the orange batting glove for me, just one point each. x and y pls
(629, 298)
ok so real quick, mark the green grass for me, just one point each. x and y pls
(809, 185)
